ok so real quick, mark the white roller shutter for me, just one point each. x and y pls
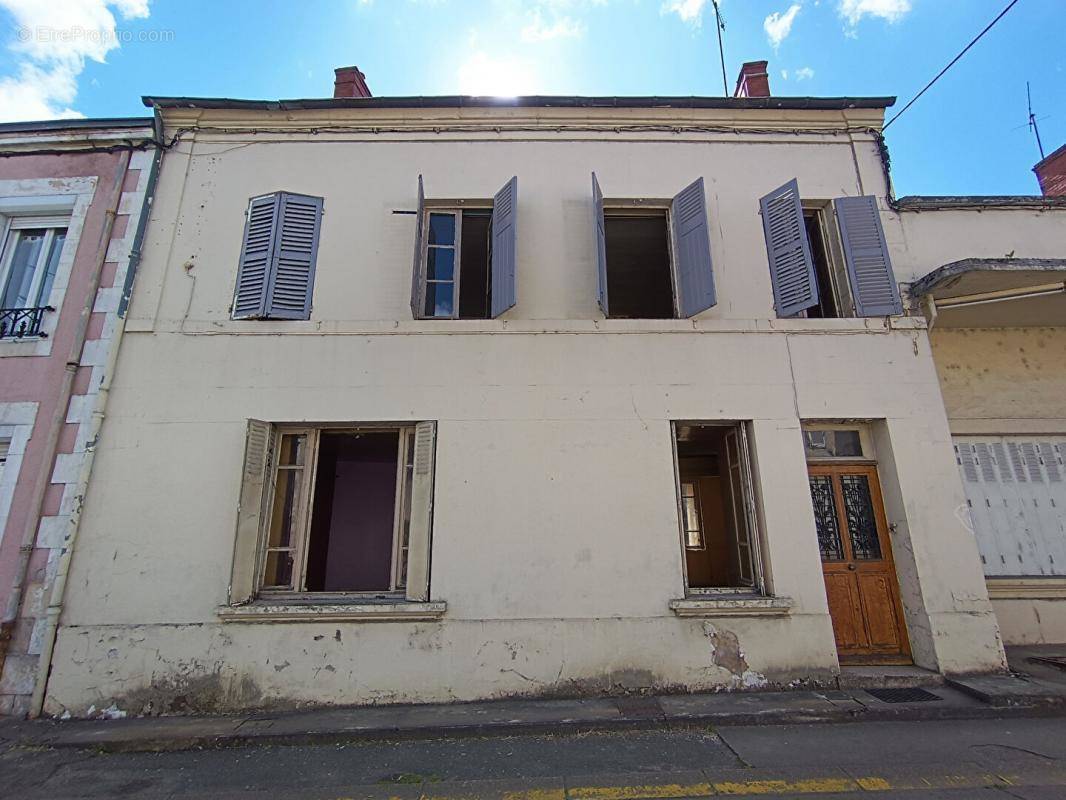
(1016, 493)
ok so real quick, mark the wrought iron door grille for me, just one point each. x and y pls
(909, 695)
(18, 323)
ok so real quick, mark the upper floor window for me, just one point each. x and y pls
(28, 265)
(465, 256)
(802, 242)
(276, 273)
(653, 258)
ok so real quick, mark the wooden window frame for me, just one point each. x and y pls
(758, 570)
(840, 286)
(456, 209)
(301, 538)
(646, 207)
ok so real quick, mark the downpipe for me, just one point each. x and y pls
(59, 583)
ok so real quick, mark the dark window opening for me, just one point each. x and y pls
(350, 546)
(827, 301)
(458, 291)
(639, 282)
(716, 530)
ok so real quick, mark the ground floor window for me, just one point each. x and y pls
(1016, 498)
(716, 507)
(344, 510)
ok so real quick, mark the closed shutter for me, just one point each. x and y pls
(416, 271)
(601, 246)
(869, 267)
(504, 247)
(692, 240)
(257, 251)
(420, 535)
(1016, 498)
(293, 279)
(789, 252)
(258, 454)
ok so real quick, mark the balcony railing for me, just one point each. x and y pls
(19, 323)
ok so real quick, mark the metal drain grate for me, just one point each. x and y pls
(904, 695)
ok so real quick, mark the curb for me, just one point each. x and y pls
(20, 734)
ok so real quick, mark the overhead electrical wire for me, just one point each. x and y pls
(940, 74)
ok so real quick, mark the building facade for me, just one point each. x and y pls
(443, 399)
(71, 195)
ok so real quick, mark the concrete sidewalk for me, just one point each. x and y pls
(1035, 688)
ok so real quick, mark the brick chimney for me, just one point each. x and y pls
(350, 82)
(1051, 172)
(753, 80)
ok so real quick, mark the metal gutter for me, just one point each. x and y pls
(75, 124)
(531, 101)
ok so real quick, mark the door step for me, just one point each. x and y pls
(887, 677)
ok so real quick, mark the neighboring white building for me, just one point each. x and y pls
(575, 451)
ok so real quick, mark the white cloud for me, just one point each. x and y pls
(690, 11)
(804, 74)
(53, 40)
(482, 74)
(778, 25)
(891, 10)
(561, 28)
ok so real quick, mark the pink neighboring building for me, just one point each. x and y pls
(72, 194)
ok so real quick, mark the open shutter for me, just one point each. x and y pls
(504, 247)
(601, 246)
(789, 252)
(258, 453)
(692, 240)
(293, 275)
(253, 270)
(869, 267)
(416, 272)
(420, 538)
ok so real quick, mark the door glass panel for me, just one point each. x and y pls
(859, 511)
(825, 518)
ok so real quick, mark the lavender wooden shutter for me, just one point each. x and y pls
(869, 267)
(789, 252)
(504, 247)
(416, 272)
(601, 246)
(257, 250)
(293, 275)
(692, 240)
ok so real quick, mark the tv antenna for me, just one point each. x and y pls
(1032, 121)
(720, 26)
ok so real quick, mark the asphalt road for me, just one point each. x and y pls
(963, 760)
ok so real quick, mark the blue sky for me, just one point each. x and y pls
(968, 135)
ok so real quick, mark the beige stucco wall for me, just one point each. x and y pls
(996, 381)
(555, 539)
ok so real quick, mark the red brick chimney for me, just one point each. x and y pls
(1051, 172)
(350, 83)
(753, 80)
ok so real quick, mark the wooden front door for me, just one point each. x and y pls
(860, 578)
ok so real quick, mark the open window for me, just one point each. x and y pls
(716, 508)
(29, 260)
(827, 259)
(342, 510)
(653, 256)
(465, 256)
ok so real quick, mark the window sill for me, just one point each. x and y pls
(727, 606)
(398, 611)
(1052, 588)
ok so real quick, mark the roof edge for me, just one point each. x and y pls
(53, 125)
(932, 280)
(937, 202)
(529, 101)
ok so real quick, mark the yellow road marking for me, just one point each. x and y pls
(807, 786)
(640, 792)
